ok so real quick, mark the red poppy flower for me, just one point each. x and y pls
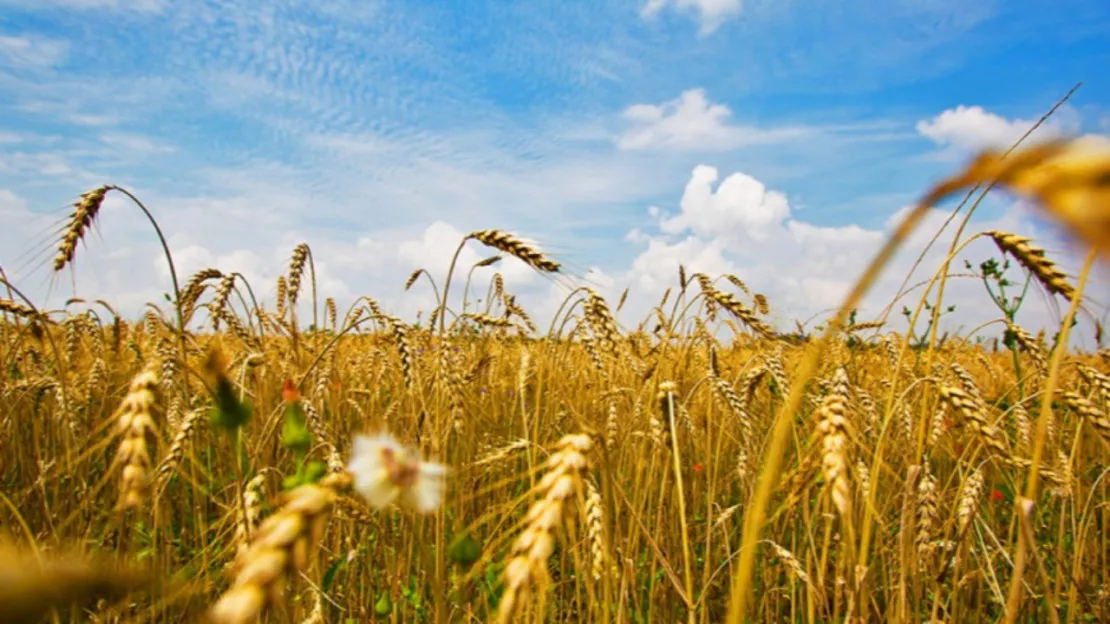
(997, 495)
(698, 467)
(289, 391)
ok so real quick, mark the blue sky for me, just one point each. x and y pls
(774, 139)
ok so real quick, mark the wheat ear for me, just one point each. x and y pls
(281, 546)
(135, 422)
(526, 574)
(84, 213)
(514, 246)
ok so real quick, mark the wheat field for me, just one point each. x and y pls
(215, 460)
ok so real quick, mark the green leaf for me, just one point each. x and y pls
(314, 471)
(329, 575)
(384, 606)
(230, 412)
(294, 432)
(464, 549)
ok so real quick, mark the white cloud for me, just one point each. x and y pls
(974, 128)
(711, 13)
(11, 204)
(92, 120)
(656, 268)
(41, 164)
(436, 246)
(806, 269)
(691, 121)
(740, 202)
(598, 278)
(32, 52)
(134, 143)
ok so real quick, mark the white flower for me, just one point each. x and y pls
(384, 471)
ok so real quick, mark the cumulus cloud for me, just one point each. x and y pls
(974, 128)
(806, 269)
(710, 13)
(436, 246)
(655, 268)
(740, 202)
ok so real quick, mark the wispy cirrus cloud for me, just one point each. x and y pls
(22, 52)
(146, 6)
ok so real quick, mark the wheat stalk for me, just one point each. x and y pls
(280, 547)
(177, 448)
(970, 495)
(85, 210)
(296, 272)
(516, 247)
(1091, 414)
(526, 576)
(17, 309)
(1034, 259)
(1069, 178)
(33, 588)
(595, 530)
(135, 422)
(832, 428)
